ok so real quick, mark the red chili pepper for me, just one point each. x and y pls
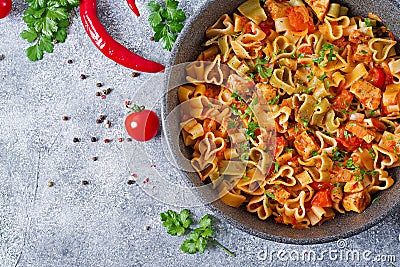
(108, 46)
(132, 6)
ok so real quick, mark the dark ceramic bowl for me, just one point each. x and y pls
(186, 49)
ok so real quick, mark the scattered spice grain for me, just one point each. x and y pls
(84, 182)
(83, 76)
(50, 183)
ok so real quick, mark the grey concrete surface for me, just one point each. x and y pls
(101, 224)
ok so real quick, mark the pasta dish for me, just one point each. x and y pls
(292, 110)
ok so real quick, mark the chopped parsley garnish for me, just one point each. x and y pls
(269, 195)
(262, 69)
(338, 155)
(289, 149)
(375, 199)
(314, 153)
(364, 52)
(309, 90)
(276, 166)
(327, 84)
(310, 76)
(250, 131)
(231, 125)
(347, 134)
(301, 55)
(372, 153)
(351, 165)
(331, 55)
(367, 22)
(246, 177)
(274, 100)
(304, 65)
(305, 122)
(236, 35)
(235, 110)
(322, 77)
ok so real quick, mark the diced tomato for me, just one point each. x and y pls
(322, 199)
(307, 206)
(342, 100)
(307, 49)
(380, 126)
(209, 125)
(280, 144)
(321, 185)
(388, 74)
(349, 142)
(341, 42)
(267, 26)
(299, 19)
(366, 146)
(377, 77)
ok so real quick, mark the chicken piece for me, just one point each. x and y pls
(305, 145)
(358, 37)
(267, 90)
(363, 54)
(369, 95)
(360, 131)
(357, 202)
(320, 7)
(391, 100)
(276, 10)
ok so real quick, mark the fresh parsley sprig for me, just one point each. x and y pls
(198, 238)
(47, 22)
(166, 21)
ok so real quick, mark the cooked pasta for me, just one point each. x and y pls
(295, 106)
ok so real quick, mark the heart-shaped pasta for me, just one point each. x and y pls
(223, 26)
(333, 27)
(204, 167)
(296, 206)
(282, 48)
(381, 48)
(282, 78)
(284, 176)
(260, 205)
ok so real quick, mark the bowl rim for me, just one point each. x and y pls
(220, 214)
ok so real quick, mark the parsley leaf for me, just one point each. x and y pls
(47, 23)
(274, 100)
(166, 20)
(198, 238)
(177, 224)
(251, 128)
(269, 195)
